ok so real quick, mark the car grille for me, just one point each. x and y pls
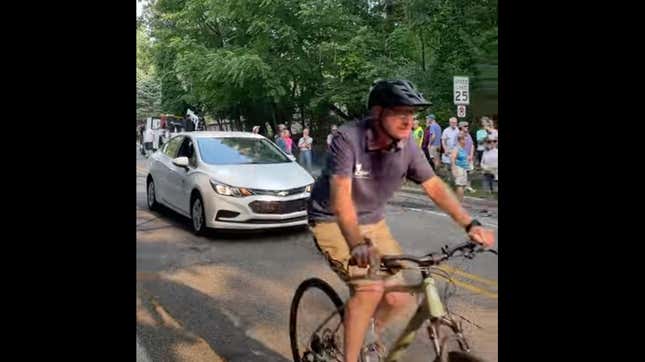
(290, 192)
(278, 207)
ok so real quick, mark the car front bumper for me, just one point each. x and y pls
(257, 212)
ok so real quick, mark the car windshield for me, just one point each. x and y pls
(239, 151)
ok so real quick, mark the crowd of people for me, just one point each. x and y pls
(455, 154)
(452, 152)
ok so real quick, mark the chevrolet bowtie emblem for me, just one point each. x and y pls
(282, 193)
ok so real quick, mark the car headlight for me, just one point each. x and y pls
(308, 188)
(227, 190)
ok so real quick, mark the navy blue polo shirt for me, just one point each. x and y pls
(376, 174)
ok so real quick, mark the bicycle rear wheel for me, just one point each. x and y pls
(316, 321)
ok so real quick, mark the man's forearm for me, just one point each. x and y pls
(348, 224)
(441, 195)
(343, 208)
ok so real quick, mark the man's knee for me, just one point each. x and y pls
(372, 291)
(399, 300)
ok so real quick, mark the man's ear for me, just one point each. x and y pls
(376, 111)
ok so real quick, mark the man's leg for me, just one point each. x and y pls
(394, 306)
(366, 295)
(308, 158)
(358, 312)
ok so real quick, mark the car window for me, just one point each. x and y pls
(239, 150)
(173, 146)
(187, 150)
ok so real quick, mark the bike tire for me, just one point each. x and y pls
(313, 283)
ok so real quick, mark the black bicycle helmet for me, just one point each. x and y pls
(397, 92)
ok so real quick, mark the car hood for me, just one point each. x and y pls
(274, 176)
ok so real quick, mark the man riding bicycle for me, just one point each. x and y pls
(368, 161)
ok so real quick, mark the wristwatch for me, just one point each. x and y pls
(474, 222)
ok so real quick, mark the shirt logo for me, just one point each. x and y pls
(359, 173)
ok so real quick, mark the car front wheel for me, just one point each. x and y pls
(152, 197)
(197, 215)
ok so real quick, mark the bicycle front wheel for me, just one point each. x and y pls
(316, 321)
(451, 348)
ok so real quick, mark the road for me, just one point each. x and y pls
(226, 297)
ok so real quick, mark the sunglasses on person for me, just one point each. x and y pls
(491, 141)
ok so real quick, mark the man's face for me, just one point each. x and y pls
(415, 123)
(305, 132)
(453, 122)
(397, 121)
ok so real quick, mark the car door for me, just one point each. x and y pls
(179, 185)
(165, 169)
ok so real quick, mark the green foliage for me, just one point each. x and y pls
(313, 61)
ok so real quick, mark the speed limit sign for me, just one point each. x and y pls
(460, 90)
(461, 111)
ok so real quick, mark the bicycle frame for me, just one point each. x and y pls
(431, 308)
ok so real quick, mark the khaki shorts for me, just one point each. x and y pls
(461, 176)
(332, 244)
(434, 152)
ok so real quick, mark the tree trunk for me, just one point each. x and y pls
(423, 53)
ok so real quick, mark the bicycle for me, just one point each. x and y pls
(446, 335)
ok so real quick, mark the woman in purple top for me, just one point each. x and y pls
(470, 150)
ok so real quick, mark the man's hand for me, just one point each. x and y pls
(482, 236)
(362, 254)
(470, 158)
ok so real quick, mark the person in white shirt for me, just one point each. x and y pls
(334, 130)
(449, 142)
(489, 164)
(304, 145)
(147, 140)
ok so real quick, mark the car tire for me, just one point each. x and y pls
(151, 195)
(198, 215)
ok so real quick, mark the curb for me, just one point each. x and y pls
(467, 199)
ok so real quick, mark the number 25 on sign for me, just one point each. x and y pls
(460, 88)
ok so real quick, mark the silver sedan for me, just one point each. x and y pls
(229, 180)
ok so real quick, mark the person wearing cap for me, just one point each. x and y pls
(368, 160)
(489, 164)
(432, 141)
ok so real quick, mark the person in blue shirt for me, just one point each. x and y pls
(460, 164)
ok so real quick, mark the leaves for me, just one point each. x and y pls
(277, 60)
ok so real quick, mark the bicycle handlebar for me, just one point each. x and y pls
(467, 249)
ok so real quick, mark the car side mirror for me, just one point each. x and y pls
(181, 162)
